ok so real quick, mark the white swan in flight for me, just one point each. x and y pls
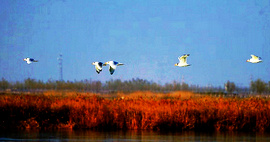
(182, 61)
(254, 59)
(98, 66)
(112, 65)
(30, 60)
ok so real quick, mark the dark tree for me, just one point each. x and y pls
(4, 84)
(230, 87)
(258, 86)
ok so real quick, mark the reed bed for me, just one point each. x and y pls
(140, 110)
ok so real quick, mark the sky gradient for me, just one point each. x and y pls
(146, 35)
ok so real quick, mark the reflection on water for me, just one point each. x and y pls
(90, 135)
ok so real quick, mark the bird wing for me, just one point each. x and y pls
(98, 70)
(255, 57)
(33, 60)
(111, 69)
(183, 58)
(97, 67)
(100, 64)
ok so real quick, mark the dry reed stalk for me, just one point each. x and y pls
(140, 110)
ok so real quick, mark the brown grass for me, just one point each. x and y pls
(139, 110)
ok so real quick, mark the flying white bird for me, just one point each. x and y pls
(30, 60)
(113, 65)
(254, 59)
(98, 66)
(182, 61)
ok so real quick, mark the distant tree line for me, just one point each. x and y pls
(137, 84)
(93, 86)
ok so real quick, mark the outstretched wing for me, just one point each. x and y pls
(98, 69)
(33, 60)
(98, 66)
(183, 58)
(254, 57)
(111, 69)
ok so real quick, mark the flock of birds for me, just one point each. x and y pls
(113, 64)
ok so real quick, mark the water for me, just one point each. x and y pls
(134, 136)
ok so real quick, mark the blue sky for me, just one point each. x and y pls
(146, 35)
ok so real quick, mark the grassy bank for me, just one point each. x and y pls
(140, 110)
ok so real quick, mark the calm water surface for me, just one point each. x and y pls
(90, 135)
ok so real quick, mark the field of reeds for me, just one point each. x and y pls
(174, 111)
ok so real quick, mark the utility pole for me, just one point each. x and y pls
(250, 84)
(60, 64)
(251, 78)
(182, 80)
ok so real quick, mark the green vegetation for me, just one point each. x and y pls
(259, 86)
(256, 87)
(93, 86)
(230, 87)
